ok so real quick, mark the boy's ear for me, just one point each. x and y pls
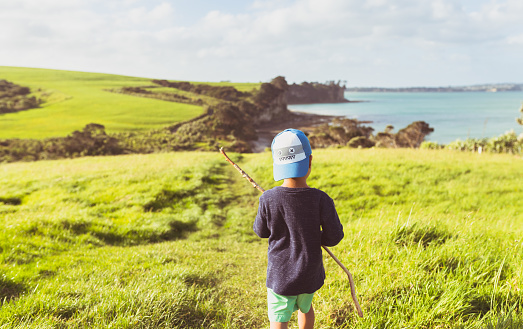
(310, 160)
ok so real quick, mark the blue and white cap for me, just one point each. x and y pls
(290, 154)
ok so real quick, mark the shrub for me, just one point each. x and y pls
(221, 92)
(15, 98)
(360, 142)
(506, 143)
(91, 141)
(428, 145)
(342, 132)
(520, 120)
(413, 135)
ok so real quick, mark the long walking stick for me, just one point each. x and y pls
(351, 280)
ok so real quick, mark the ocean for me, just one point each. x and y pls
(453, 115)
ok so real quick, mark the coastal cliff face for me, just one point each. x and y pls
(234, 120)
(273, 97)
(309, 93)
(271, 101)
(277, 108)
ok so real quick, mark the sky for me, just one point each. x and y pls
(386, 43)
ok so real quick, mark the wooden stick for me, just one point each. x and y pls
(351, 281)
(244, 174)
(349, 275)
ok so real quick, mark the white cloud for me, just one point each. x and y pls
(160, 14)
(515, 39)
(303, 39)
(443, 10)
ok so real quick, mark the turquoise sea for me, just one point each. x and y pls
(453, 115)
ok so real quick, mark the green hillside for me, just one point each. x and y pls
(75, 99)
(433, 239)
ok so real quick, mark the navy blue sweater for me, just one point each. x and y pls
(297, 222)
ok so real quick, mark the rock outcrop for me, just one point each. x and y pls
(310, 93)
(271, 101)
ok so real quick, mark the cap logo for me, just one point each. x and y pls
(289, 154)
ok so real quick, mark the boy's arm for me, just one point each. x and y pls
(332, 230)
(260, 222)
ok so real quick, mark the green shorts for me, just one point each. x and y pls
(282, 307)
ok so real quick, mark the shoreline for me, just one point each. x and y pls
(328, 102)
(303, 121)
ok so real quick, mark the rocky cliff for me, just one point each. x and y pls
(309, 93)
(271, 101)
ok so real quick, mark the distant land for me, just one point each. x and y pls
(474, 88)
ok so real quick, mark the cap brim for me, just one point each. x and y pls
(291, 170)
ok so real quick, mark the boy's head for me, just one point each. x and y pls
(290, 154)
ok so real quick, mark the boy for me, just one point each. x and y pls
(297, 220)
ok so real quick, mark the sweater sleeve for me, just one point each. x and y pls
(260, 226)
(332, 230)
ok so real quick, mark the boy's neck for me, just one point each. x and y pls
(295, 182)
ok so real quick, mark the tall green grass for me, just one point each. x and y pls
(433, 239)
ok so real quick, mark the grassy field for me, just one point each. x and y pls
(74, 99)
(433, 239)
